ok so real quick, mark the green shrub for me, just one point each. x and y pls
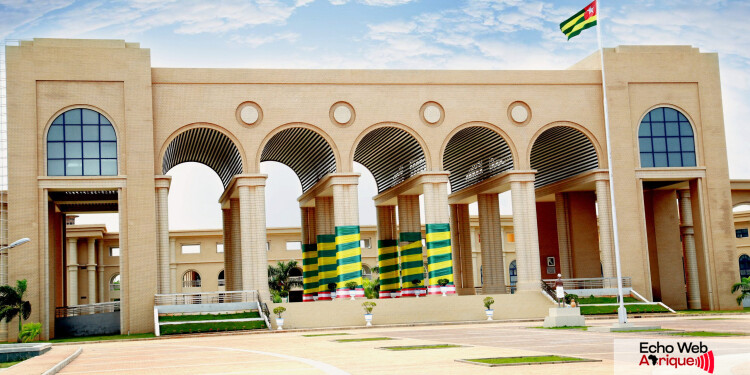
(279, 310)
(488, 301)
(570, 297)
(351, 285)
(443, 282)
(30, 331)
(368, 306)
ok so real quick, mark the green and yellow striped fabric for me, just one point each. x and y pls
(348, 259)
(326, 264)
(388, 266)
(439, 262)
(582, 20)
(309, 271)
(412, 266)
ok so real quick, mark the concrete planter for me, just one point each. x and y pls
(352, 293)
(489, 313)
(443, 289)
(368, 319)
(279, 323)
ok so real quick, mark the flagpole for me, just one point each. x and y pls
(621, 312)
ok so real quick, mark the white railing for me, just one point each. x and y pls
(206, 298)
(591, 283)
(222, 282)
(191, 283)
(114, 286)
(94, 308)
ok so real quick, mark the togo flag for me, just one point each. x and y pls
(580, 21)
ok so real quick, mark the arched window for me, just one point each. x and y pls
(744, 265)
(665, 139)
(221, 278)
(114, 282)
(191, 279)
(81, 142)
(366, 272)
(513, 272)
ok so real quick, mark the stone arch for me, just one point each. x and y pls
(207, 144)
(392, 152)
(304, 148)
(474, 152)
(562, 150)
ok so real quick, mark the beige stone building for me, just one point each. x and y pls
(93, 127)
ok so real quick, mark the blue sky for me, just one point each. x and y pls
(395, 34)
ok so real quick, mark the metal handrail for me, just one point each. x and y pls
(114, 286)
(591, 283)
(191, 283)
(206, 298)
(546, 288)
(94, 308)
(222, 282)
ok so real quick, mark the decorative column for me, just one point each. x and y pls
(525, 229)
(162, 226)
(493, 269)
(100, 268)
(606, 235)
(388, 264)
(688, 244)
(410, 246)
(346, 221)
(562, 216)
(463, 272)
(438, 233)
(173, 266)
(309, 255)
(72, 271)
(326, 246)
(253, 234)
(226, 229)
(236, 251)
(91, 267)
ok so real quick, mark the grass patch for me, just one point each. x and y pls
(706, 334)
(746, 310)
(421, 347)
(595, 300)
(210, 327)
(582, 328)
(325, 334)
(103, 338)
(648, 330)
(365, 339)
(524, 360)
(187, 318)
(8, 364)
(596, 310)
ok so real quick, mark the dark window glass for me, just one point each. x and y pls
(741, 233)
(665, 139)
(81, 142)
(744, 265)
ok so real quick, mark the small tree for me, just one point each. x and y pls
(443, 282)
(488, 301)
(279, 310)
(351, 285)
(331, 287)
(280, 278)
(368, 306)
(12, 304)
(743, 287)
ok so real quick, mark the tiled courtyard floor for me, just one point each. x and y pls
(290, 352)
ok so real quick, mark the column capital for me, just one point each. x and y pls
(324, 187)
(413, 185)
(162, 182)
(241, 180)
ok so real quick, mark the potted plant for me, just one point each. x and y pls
(284, 295)
(443, 286)
(332, 289)
(368, 306)
(488, 301)
(279, 321)
(352, 285)
(416, 287)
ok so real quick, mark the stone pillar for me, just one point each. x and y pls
(72, 271)
(100, 267)
(525, 229)
(562, 216)
(493, 268)
(688, 244)
(226, 217)
(91, 268)
(410, 246)
(348, 250)
(388, 264)
(326, 246)
(463, 271)
(309, 255)
(253, 235)
(236, 252)
(606, 234)
(438, 234)
(162, 233)
(173, 266)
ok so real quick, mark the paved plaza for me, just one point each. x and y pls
(287, 352)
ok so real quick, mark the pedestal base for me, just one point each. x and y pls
(617, 327)
(564, 317)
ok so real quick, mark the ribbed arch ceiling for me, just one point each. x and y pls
(561, 152)
(306, 152)
(475, 154)
(391, 154)
(206, 146)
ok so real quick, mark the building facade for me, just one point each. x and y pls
(93, 127)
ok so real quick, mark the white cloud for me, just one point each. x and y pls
(386, 3)
(255, 41)
(18, 13)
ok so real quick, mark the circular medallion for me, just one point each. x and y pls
(249, 113)
(432, 113)
(342, 114)
(519, 113)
